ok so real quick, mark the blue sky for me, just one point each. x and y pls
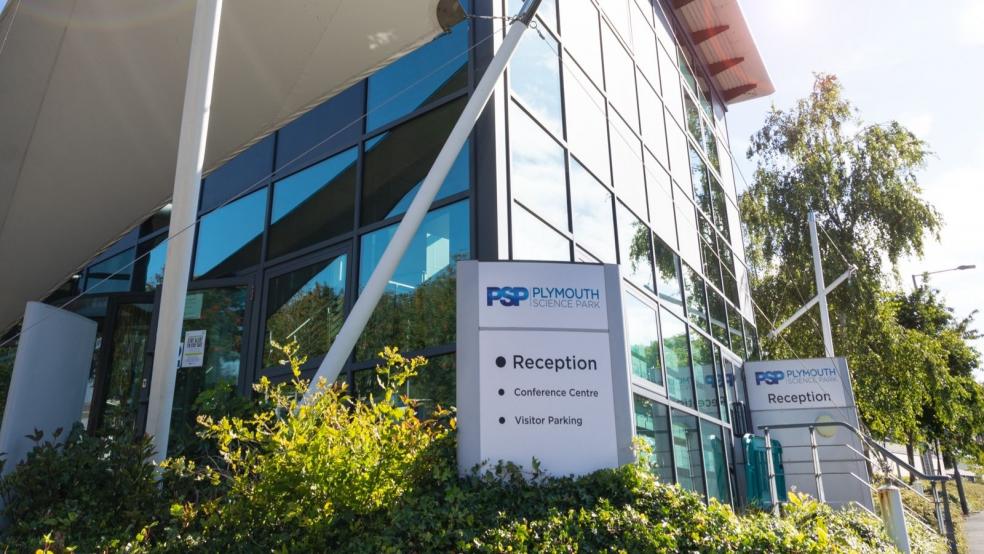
(907, 60)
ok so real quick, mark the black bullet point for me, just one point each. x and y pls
(502, 420)
(500, 361)
(502, 392)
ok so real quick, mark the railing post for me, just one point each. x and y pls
(891, 511)
(816, 465)
(773, 494)
(950, 533)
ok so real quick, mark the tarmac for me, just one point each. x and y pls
(974, 529)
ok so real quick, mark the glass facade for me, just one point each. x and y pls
(610, 147)
(629, 164)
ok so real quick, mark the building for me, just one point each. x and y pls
(605, 142)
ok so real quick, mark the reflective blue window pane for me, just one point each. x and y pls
(652, 422)
(635, 245)
(397, 161)
(111, 275)
(313, 205)
(248, 169)
(532, 239)
(705, 376)
(715, 462)
(686, 452)
(537, 169)
(642, 334)
(422, 76)
(152, 265)
(229, 239)
(418, 307)
(591, 205)
(327, 128)
(534, 76)
(676, 356)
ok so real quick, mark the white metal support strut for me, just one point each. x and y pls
(828, 339)
(184, 209)
(357, 319)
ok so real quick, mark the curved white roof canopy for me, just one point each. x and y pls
(90, 107)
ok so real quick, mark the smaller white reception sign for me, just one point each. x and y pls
(542, 367)
(791, 384)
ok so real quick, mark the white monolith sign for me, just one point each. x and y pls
(542, 368)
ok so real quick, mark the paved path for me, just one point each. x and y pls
(974, 529)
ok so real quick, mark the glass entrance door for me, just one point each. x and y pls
(212, 366)
(123, 360)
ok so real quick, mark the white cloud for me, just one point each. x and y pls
(921, 124)
(970, 22)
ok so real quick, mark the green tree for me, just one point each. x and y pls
(861, 180)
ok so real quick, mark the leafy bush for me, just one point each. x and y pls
(371, 475)
(92, 492)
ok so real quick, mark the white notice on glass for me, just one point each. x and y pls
(193, 353)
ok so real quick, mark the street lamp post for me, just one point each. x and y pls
(926, 274)
(956, 463)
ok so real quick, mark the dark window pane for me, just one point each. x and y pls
(398, 160)
(734, 330)
(308, 305)
(642, 332)
(653, 426)
(222, 317)
(152, 265)
(229, 239)
(537, 169)
(715, 464)
(591, 205)
(422, 76)
(719, 317)
(247, 169)
(712, 268)
(434, 385)
(418, 307)
(534, 76)
(704, 375)
(326, 129)
(698, 176)
(313, 205)
(668, 281)
(696, 298)
(635, 243)
(159, 220)
(676, 356)
(111, 275)
(686, 452)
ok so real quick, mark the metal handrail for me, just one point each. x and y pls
(944, 518)
(867, 440)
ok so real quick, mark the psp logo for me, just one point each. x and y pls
(507, 296)
(768, 377)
